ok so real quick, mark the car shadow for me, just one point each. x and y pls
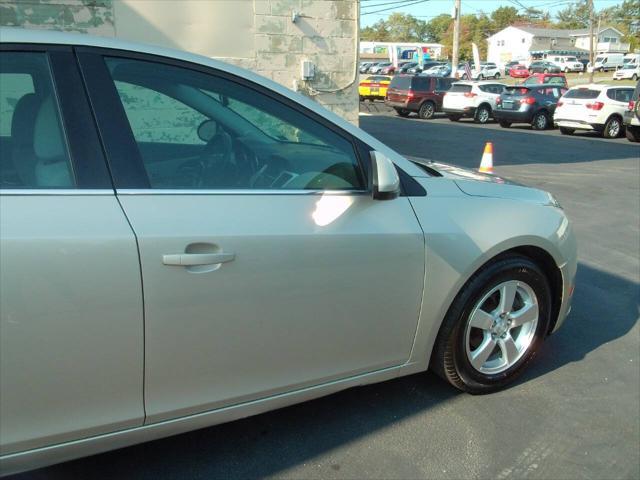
(604, 309)
(512, 146)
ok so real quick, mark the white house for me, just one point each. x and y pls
(521, 43)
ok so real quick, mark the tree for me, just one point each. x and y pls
(437, 27)
(574, 16)
(504, 16)
(398, 27)
(403, 27)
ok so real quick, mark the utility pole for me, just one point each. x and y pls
(456, 38)
(591, 40)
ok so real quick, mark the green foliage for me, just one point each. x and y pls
(398, 27)
(574, 16)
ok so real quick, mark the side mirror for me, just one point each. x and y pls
(386, 182)
(207, 130)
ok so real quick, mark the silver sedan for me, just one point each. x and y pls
(185, 243)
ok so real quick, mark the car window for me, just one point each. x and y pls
(422, 84)
(554, 80)
(624, 95)
(460, 87)
(444, 84)
(582, 93)
(33, 148)
(401, 82)
(200, 131)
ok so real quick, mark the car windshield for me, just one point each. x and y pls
(582, 93)
(516, 91)
(629, 67)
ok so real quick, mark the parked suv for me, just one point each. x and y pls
(533, 104)
(543, 66)
(419, 94)
(472, 99)
(598, 108)
(632, 116)
(487, 70)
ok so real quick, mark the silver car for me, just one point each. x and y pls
(185, 243)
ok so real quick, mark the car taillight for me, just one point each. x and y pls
(365, 84)
(560, 103)
(595, 105)
(410, 94)
(470, 94)
(528, 100)
(631, 105)
(498, 100)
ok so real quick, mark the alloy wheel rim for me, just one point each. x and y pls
(541, 122)
(484, 115)
(614, 128)
(501, 327)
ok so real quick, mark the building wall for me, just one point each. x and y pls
(605, 36)
(255, 34)
(508, 44)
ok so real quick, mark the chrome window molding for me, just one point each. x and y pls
(134, 191)
(54, 191)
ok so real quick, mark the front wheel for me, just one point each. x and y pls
(634, 77)
(567, 131)
(566, 70)
(540, 121)
(497, 75)
(613, 128)
(505, 124)
(427, 110)
(494, 327)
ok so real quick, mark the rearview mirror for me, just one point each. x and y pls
(386, 182)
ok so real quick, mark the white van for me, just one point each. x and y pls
(632, 59)
(608, 61)
(566, 63)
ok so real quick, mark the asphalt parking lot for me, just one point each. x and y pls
(574, 414)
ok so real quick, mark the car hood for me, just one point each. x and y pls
(476, 184)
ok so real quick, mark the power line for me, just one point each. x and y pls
(393, 8)
(387, 3)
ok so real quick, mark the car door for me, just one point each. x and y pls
(267, 265)
(70, 293)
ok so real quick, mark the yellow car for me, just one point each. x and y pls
(374, 87)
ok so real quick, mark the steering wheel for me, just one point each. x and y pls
(215, 166)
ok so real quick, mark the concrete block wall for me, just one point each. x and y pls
(324, 32)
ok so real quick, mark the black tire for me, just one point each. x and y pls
(566, 70)
(361, 98)
(464, 76)
(402, 112)
(427, 110)
(567, 131)
(480, 77)
(497, 75)
(632, 133)
(454, 118)
(449, 359)
(505, 124)
(540, 121)
(546, 70)
(634, 77)
(483, 114)
(613, 128)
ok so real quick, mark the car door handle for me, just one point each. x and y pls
(193, 259)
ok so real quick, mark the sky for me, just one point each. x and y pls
(427, 9)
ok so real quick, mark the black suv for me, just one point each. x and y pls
(533, 104)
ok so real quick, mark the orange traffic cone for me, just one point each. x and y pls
(486, 164)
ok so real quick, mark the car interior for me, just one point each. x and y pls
(33, 153)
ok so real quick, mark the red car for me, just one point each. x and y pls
(547, 79)
(518, 71)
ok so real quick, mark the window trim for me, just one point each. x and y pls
(85, 152)
(123, 156)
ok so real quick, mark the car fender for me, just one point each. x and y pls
(464, 233)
